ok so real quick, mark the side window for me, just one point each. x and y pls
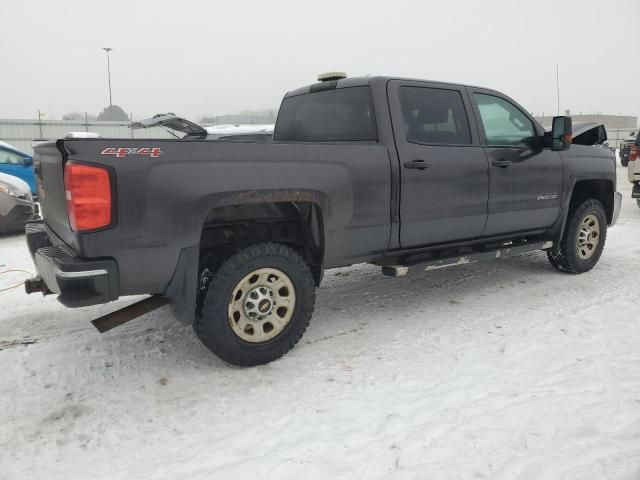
(11, 158)
(504, 123)
(434, 116)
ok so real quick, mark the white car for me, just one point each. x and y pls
(16, 204)
(245, 133)
(241, 132)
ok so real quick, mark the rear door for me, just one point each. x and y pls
(525, 179)
(444, 179)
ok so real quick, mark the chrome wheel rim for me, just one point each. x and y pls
(588, 237)
(261, 305)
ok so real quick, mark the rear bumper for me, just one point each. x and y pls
(78, 282)
(617, 203)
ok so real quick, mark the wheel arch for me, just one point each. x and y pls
(598, 189)
(246, 217)
(581, 190)
(294, 222)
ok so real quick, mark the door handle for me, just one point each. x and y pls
(417, 165)
(501, 163)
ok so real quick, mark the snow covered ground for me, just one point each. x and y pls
(501, 370)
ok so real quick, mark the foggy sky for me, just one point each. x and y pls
(196, 57)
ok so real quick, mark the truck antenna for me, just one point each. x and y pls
(558, 88)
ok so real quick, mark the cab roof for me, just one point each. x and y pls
(363, 81)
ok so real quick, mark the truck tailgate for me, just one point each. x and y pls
(48, 166)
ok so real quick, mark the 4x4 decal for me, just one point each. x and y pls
(121, 152)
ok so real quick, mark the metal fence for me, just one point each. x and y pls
(616, 136)
(23, 133)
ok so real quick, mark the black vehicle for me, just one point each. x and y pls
(634, 169)
(625, 150)
(236, 235)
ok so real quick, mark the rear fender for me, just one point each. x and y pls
(183, 287)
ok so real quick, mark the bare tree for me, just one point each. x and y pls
(73, 116)
(113, 113)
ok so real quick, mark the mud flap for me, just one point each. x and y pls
(182, 290)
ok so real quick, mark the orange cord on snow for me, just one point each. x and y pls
(17, 284)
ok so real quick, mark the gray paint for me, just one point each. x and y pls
(362, 189)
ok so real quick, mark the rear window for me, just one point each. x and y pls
(338, 115)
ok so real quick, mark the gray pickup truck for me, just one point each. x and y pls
(235, 235)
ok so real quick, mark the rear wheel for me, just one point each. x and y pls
(257, 305)
(624, 162)
(638, 201)
(584, 238)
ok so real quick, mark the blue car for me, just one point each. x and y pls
(17, 163)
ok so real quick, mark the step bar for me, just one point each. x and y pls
(509, 250)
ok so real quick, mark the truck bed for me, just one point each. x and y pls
(160, 203)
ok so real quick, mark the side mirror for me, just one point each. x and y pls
(27, 161)
(561, 134)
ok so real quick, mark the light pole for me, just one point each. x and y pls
(107, 49)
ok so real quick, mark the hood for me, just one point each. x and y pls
(172, 121)
(17, 185)
(588, 133)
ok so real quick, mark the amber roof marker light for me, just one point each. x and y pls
(329, 76)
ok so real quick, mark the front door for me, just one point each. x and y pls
(525, 179)
(444, 179)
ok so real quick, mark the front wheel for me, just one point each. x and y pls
(257, 305)
(584, 238)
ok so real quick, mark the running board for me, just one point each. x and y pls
(454, 261)
(128, 313)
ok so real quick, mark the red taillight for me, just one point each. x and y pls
(88, 191)
(633, 155)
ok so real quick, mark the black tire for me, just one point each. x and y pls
(213, 326)
(566, 257)
(624, 162)
(638, 201)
